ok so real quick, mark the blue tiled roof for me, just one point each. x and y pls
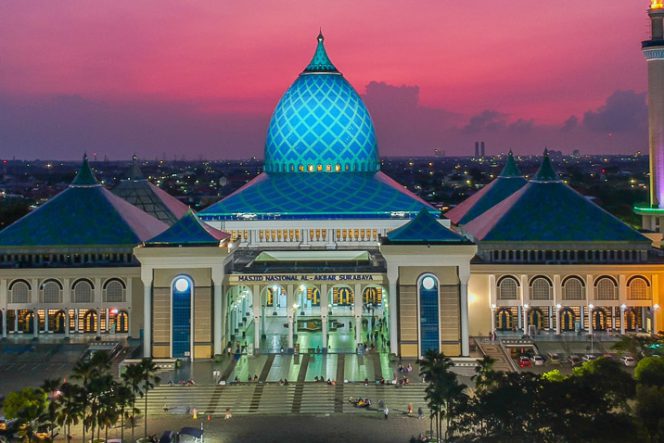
(85, 215)
(188, 231)
(547, 210)
(424, 228)
(321, 121)
(305, 196)
(508, 182)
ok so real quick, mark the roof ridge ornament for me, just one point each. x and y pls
(135, 172)
(510, 169)
(546, 173)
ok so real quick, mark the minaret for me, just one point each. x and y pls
(653, 50)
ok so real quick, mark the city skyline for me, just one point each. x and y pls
(202, 79)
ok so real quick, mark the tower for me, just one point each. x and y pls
(652, 215)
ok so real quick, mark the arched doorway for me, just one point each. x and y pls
(342, 296)
(536, 318)
(59, 319)
(567, 320)
(504, 320)
(122, 322)
(181, 316)
(27, 323)
(599, 319)
(631, 319)
(90, 320)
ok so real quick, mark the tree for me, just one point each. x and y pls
(28, 406)
(650, 371)
(648, 411)
(71, 406)
(52, 389)
(133, 378)
(96, 380)
(445, 396)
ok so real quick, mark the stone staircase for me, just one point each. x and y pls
(495, 350)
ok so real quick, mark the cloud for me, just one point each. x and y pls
(624, 111)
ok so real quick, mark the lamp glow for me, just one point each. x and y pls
(181, 284)
(428, 283)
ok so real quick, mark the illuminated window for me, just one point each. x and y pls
(347, 167)
(292, 168)
(300, 168)
(310, 168)
(319, 168)
(429, 314)
(337, 168)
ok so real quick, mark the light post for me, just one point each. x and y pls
(590, 328)
(525, 319)
(622, 318)
(558, 308)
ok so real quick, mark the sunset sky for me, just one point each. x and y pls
(200, 78)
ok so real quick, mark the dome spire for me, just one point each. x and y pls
(546, 173)
(85, 176)
(135, 172)
(510, 169)
(320, 62)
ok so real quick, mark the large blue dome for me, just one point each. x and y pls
(321, 124)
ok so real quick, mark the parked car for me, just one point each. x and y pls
(167, 437)
(190, 435)
(538, 360)
(588, 357)
(628, 360)
(554, 358)
(524, 362)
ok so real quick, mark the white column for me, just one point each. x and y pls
(324, 313)
(256, 301)
(558, 308)
(525, 319)
(46, 321)
(292, 312)
(582, 314)
(653, 323)
(35, 323)
(613, 318)
(357, 307)
(106, 317)
(15, 321)
(464, 276)
(622, 319)
(290, 328)
(76, 320)
(392, 276)
(98, 322)
(4, 323)
(519, 317)
(66, 322)
(590, 319)
(217, 313)
(146, 277)
(493, 318)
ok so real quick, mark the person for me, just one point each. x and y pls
(286, 382)
(317, 349)
(316, 379)
(228, 414)
(410, 409)
(255, 377)
(420, 413)
(386, 412)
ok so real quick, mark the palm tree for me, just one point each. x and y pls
(52, 389)
(95, 379)
(149, 377)
(125, 398)
(133, 377)
(71, 406)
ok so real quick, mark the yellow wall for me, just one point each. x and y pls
(479, 306)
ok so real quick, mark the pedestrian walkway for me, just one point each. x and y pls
(493, 349)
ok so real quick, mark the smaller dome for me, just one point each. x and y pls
(321, 124)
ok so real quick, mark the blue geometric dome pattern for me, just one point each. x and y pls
(321, 125)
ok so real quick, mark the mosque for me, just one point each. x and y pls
(323, 252)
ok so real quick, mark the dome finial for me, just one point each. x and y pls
(546, 173)
(85, 176)
(510, 169)
(320, 62)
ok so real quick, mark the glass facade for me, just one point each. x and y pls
(181, 292)
(429, 314)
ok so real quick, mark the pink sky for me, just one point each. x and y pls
(217, 69)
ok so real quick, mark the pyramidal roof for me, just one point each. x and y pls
(507, 183)
(189, 231)
(424, 228)
(84, 215)
(138, 191)
(547, 210)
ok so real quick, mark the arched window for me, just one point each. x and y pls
(181, 291)
(573, 289)
(540, 289)
(310, 168)
(51, 292)
(637, 289)
(605, 289)
(114, 291)
(20, 292)
(428, 296)
(508, 289)
(83, 292)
